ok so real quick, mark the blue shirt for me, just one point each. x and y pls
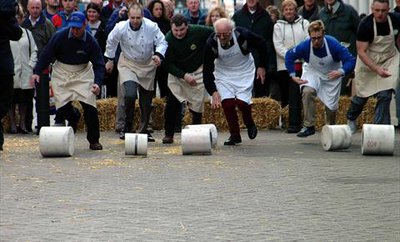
(303, 50)
(69, 50)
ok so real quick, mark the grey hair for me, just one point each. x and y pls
(224, 21)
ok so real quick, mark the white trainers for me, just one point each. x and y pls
(352, 125)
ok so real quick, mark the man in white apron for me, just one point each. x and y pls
(142, 48)
(377, 68)
(77, 74)
(326, 62)
(184, 62)
(229, 73)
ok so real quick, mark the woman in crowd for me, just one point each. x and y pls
(288, 32)
(215, 14)
(158, 11)
(25, 57)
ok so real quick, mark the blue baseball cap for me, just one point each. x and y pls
(77, 19)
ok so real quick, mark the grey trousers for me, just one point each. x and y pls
(309, 95)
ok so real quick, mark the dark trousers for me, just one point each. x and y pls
(162, 80)
(229, 106)
(382, 108)
(145, 98)
(6, 94)
(173, 109)
(68, 112)
(290, 95)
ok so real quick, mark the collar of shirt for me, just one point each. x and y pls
(33, 21)
(135, 29)
(334, 7)
(72, 37)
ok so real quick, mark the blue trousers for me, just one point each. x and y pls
(382, 108)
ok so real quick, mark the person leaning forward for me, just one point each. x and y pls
(143, 47)
(77, 74)
(229, 73)
(184, 62)
(327, 61)
(377, 68)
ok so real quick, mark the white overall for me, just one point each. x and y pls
(234, 73)
(72, 83)
(316, 71)
(382, 52)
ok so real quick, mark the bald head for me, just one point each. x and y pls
(34, 8)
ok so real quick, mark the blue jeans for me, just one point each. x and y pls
(382, 108)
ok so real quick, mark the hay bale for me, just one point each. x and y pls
(366, 116)
(265, 112)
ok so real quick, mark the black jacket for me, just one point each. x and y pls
(9, 30)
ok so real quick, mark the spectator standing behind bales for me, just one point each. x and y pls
(215, 14)
(289, 32)
(77, 75)
(25, 56)
(193, 13)
(229, 73)
(10, 30)
(327, 61)
(309, 10)
(377, 69)
(341, 21)
(256, 19)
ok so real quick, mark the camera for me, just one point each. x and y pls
(8, 8)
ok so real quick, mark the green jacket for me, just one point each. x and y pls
(186, 55)
(342, 25)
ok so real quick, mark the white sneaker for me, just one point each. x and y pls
(352, 125)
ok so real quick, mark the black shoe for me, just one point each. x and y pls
(168, 140)
(122, 135)
(95, 146)
(150, 138)
(22, 131)
(233, 140)
(293, 129)
(306, 131)
(252, 131)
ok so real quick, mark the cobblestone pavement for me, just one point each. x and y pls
(277, 187)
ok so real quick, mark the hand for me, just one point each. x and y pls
(216, 100)
(333, 75)
(95, 89)
(109, 66)
(298, 80)
(383, 72)
(261, 74)
(34, 78)
(122, 12)
(190, 79)
(156, 59)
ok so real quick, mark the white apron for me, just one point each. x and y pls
(72, 83)
(234, 73)
(316, 73)
(194, 95)
(383, 52)
(141, 73)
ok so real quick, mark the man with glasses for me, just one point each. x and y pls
(327, 61)
(229, 73)
(184, 62)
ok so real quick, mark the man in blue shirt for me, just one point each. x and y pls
(77, 74)
(327, 61)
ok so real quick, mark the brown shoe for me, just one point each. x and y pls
(95, 146)
(168, 140)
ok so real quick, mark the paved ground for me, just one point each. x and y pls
(276, 187)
